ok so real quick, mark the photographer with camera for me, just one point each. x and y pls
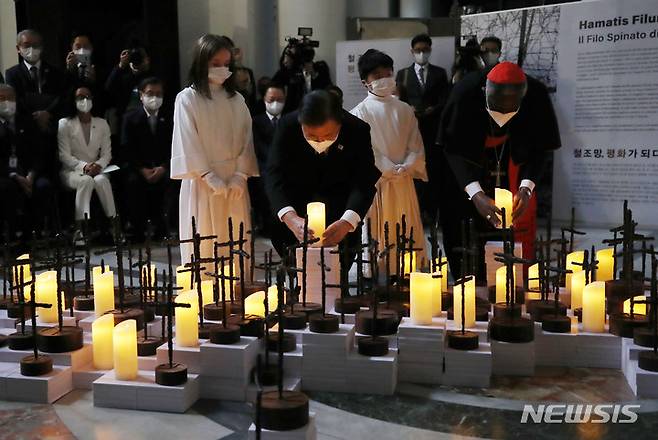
(298, 71)
(122, 84)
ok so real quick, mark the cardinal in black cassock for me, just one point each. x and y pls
(497, 130)
(320, 153)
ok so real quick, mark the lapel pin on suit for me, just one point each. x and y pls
(340, 147)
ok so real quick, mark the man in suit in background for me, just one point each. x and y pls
(146, 143)
(39, 86)
(263, 127)
(425, 87)
(321, 153)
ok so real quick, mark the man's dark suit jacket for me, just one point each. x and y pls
(53, 87)
(263, 135)
(343, 177)
(30, 152)
(140, 147)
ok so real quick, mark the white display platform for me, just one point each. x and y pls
(292, 361)
(84, 377)
(555, 349)
(6, 322)
(421, 351)
(597, 350)
(36, 389)
(372, 375)
(308, 432)
(289, 384)
(470, 368)
(512, 359)
(643, 383)
(629, 351)
(324, 365)
(76, 359)
(144, 394)
(147, 363)
(82, 314)
(222, 388)
(66, 320)
(230, 361)
(190, 356)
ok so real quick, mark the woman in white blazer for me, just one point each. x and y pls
(85, 151)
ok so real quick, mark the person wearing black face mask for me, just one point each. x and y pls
(496, 130)
(425, 87)
(320, 153)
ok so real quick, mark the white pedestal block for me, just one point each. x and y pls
(421, 351)
(299, 333)
(148, 363)
(144, 394)
(76, 359)
(643, 383)
(470, 368)
(85, 323)
(155, 327)
(190, 356)
(292, 361)
(66, 320)
(38, 389)
(6, 322)
(308, 432)
(230, 361)
(6, 368)
(629, 351)
(223, 388)
(314, 275)
(83, 378)
(324, 366)
(494, 247)
(555, 349)
(341, 341)
(372, 375)
(289, 384)
(598, 350)
(82, 314)
(513, 359)
(420, 372)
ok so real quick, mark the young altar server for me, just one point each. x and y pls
(398, 149)
(212, 149)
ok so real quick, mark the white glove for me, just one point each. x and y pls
(401, 170)
(216, 184)
(236, 187)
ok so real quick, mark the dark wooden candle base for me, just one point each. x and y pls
(129, 299)
(517, 330)
(149, 314)
(289, 342)
(350, 305)
(4, 302)
(386, 323)
(249, 288)
(204, 332)
(323, 323)
(171, 376)
(14, 311)
(136, 314)
(20, 341)
(225, 335)
(466, 340)
(376, 346)
(509, 311)
(294, 321)
(269, 375)
(84, 303)
(556, 324)
(400, 308)
(623, 324)
(213, 312)
(54, 340)
(616, 292)
(148, 346)
(283, 414)
(547, 307)
(31, 366)
(3, 340)
(446, 301)
(251, 325)
(648, 360)
(643, 336)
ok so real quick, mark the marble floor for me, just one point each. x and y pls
(414, 412)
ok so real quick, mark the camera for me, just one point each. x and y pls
(136, 57)
(301, 50)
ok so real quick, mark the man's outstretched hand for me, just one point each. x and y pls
(336, 232)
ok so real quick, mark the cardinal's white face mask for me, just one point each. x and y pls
(321, 146)
(217, 75)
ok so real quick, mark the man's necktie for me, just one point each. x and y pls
(421, 76)
(34, 74)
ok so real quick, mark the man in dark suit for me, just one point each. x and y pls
(321, 153)
(425, 87)
(146, 143)
(264, 125)
(39, 86)
(25, 186)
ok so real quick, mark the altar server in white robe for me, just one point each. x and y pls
(212, 149)
(399, 152)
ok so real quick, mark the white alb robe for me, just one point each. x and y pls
(396, 140)
(211, 135)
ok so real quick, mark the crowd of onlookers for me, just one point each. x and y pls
(77, 144)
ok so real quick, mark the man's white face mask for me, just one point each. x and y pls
(321, 146)
(382, 87)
